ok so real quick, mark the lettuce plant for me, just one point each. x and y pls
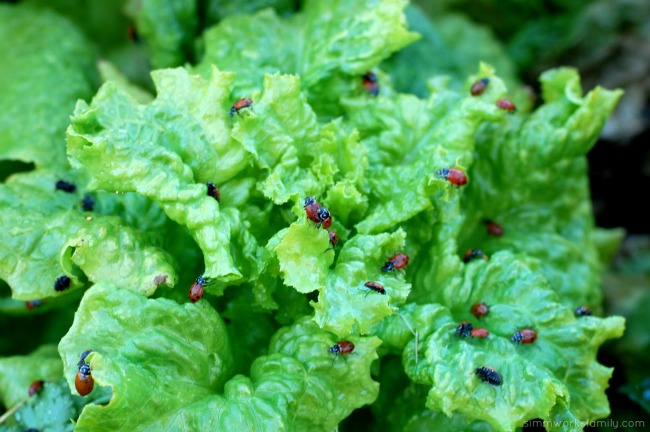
(259, 350)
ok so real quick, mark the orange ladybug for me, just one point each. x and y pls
(453, 176)
(197, 288)
(479, 310)
(343, 347)
(35, 387)
(84, 381)
(479, 87)
(239, 105)
(507, 105)
(493, 228)
(396, 262)
(479, 333)
(525, 336)
(375, 286)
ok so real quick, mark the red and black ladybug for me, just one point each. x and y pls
(525, 336)
(453, 176)
(84, 382)
(397, 262)
(493, 228)
(375, 286)
(239, 105)
(479, 86)
(507, 105)
(370, 83)
(196, 290)
(343, 347)
(479, 310)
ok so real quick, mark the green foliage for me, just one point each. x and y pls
(259, 349)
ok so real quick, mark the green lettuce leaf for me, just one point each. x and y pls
(556, 374)
(557, 228)
(180, 369)
(45, 66)
(188, 144)
(51, 238)
(135, 362)
(325, 43)
(409, 140)
(343, 305)
(151, 160)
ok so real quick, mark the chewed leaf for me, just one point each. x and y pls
(301, 252)
(345, 304)
(180, 369)
(136, 361)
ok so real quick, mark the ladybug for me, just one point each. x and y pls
(396, 262)
(582, 311)
(375, 286)
(479, 333)
(525, 336)
(240, 104)
(213, 191)
(66, 186)
(343, 347)
(196, 290)
(62, 283)
(35, 387)
(453, 175)
(133, 35)
(479, 310)
(84, 381)
(493, 228)
(324, 217)
(488, 375)
(506, 104)
(33, 304)
(311, 209)
(370, 83)
(479, 86)
(464, 329)
(334, 239)
(473, 254)
(88, 203)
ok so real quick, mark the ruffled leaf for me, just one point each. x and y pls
(180, 369)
